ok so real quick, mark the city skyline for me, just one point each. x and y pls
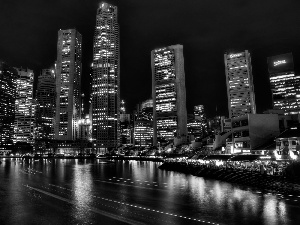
(203, 32)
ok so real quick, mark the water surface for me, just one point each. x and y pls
(72, 191)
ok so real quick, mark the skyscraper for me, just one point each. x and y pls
(239, 80)
(8, 77)
(46, 100)
(106, 79)
(25, 107)
(168, 94)
(68, 84)
(285, 85)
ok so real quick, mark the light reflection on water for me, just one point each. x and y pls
(142, 184)
(83, 187)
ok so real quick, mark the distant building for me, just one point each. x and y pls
(126, 128)
(106, 79)
(239, 80)
(143, 124)
(197, 123)
(46, 100)
(285, 85)
(169, 95)
(8, 77)
(68, 84)
(126, 125)
(25, 107)
(214, 125)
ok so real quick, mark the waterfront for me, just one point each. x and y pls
(73, 191)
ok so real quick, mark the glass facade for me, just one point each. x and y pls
(106, 79)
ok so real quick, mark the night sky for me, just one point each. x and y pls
(205, 28)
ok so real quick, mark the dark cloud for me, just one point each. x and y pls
(206, 28)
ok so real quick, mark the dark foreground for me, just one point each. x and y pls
(72, 191)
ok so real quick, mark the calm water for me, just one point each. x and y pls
(71, 191)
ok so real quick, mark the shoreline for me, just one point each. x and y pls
(137, 158)
(270, 183)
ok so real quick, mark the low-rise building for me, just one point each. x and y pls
(251, 131)
(288, 144)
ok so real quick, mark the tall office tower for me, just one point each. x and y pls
(285, 85)
(106, 79)
(68, 84)
(45, 109)
(25, 106)
(8, 77)
(143, 124)
(168, 94)
(239, 79)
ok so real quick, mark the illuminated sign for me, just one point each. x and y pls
(265, 157)
(235, 55)
(279, 62)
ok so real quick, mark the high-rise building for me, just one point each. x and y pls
(106, 79)
(285, 85)
(25, 107)
(68, 84)
(8, 77)
(143, 124)
(239, 80)
(169, 94)
(46, 100)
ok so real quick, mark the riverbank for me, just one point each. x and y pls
(264, 182)
(137, 158)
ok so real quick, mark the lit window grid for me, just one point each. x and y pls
(7, 105)
(24, 125)
(240, 90)
(166, 127)
(105, 84)
(286, 93)
(143, 134)
(164, 65)
(70, 51)
(45, 104)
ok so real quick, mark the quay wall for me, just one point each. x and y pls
(264, 182)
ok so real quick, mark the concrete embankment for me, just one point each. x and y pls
(278, 184)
